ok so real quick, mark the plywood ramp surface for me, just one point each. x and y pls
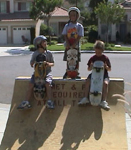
(67, 127)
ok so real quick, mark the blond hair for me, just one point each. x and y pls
(99, 45)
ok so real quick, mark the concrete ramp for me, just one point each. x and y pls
(68, 127)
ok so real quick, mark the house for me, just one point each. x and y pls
(15, 21)
(58, 19)
(118, 32)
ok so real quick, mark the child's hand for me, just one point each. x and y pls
(32, 64)
(47, 64)
(106, 66)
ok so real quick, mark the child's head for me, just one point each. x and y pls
(40, 42)
(74, 14)
(99, 47)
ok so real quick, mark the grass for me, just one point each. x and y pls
(86, 47)
(89, 46)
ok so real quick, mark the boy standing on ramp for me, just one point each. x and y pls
(99, 56)
(40, 44)
(73, 31)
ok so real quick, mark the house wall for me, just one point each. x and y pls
(10, 25)
(55, 24)
(7, 26)
(11, 6)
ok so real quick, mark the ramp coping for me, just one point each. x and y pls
(60, 78)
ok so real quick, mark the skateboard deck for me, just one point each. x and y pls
(72, 54)
(39, 77)
(72, 63)
(96, 83)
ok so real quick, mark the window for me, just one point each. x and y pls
(24, 6)
(2, 7)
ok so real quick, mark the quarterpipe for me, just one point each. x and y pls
(68, 126)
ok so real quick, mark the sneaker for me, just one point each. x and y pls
(65, 75)
(50, 104)
(24, 105)
(104, 105)
(83, 101)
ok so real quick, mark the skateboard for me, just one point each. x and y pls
(72, 55)
(96, 87)
(39, 77)
(72, 63)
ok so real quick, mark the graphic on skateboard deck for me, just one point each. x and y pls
(96, 83)
(72, 55)
(72, 63)
(39, 77)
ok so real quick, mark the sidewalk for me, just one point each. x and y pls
(23, 50)
(4, 112)
(14, 51)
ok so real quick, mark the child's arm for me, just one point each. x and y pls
(31, 64)
(90, 67)
(49, 64)
(107, 67)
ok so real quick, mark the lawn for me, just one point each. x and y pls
(86, 47)
(89, 46)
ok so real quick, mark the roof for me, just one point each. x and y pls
(15, 16)
(25, 15)
(126, 4)
(60, 12)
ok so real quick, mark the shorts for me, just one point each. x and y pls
(48, 79)
(106, 77)
(65, 56)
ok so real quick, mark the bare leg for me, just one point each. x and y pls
(103, 103)
(85, 99)
(25, 104)
(29, 92)
(50, 103)
(105, 91)
(48, 91)
(87, 87)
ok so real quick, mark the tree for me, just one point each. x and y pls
(93, 3)
(73, 2)
(109, 13)
(42, 9)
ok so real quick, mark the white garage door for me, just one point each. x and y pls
(18, 32)
(3, 35)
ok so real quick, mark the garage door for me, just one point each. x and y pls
(18, 32)
(3, 35)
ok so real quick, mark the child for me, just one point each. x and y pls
(40, 44)
(99, 48)
(73, 31)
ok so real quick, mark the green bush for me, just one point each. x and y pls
(44, 30)
(31, 48)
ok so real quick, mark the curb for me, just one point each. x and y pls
(91, 51)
